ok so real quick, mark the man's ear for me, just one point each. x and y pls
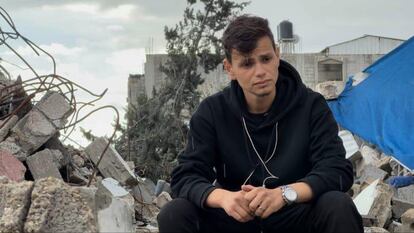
(229, 69)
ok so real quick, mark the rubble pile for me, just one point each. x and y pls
(45, 184)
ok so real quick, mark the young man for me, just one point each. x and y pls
(270, 144)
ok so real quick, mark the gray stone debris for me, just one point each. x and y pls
(57, 207)
(11, 167)
(375, 230)
(162, 199)
(162, 186)
(369, 156)
(14, 204)
(43, 164)
(142, 193)
(407, 220)
(11, 146)
(112, 164)
(115, 207)
(150, 185)
(406, 193)
(4, 131)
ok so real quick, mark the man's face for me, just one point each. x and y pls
(256, 72)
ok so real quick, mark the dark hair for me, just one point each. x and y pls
(243, 33)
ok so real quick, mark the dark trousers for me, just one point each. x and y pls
(331, 212)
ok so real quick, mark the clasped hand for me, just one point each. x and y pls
(252, 201)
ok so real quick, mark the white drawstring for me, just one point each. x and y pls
(258, 155)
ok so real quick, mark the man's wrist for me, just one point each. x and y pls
(214, 199)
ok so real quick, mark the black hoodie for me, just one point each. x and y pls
(299, 121)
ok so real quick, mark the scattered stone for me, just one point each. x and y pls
(384, 164)
(330, 89)
(4, 131)
(394, 226)
(58, 149)
(408, 217)
(78, 160)
(162, 186)
(57, 207)
(115, 207)
(10, 146)
(43, 164)
(14, 204)
(112, 164)
(162, 199)
(150, 185)
(11, 167)
(55, 107)
(369, 156)
(147, 229)
(131, 165)
(400, 206)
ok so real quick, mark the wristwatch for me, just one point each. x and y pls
(289, 195)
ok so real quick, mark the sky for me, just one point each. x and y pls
(98, 43)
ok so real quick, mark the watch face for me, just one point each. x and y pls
(291, 194)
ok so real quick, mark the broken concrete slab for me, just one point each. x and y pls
(43, 164)
(162, 186)
(4, 131)
(42, 122)
(351, 147)
(56, 146)
(394, 226)
(406, 193)
(115, 207)
(162, 199)
(57, 207)
(14, 204)
(11, 167)
(112, 164)
(370, 173)
(399, 207)
(150, 185)
(374, 202)
(330, 89)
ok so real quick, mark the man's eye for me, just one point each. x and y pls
(266, 59)
(246, 64)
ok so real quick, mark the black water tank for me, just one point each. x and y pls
(285, 30)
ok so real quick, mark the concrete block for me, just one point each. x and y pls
(162, 199)
(330, 89)
(4, 131)
(55, 107)
(56, 146)
(147, 229)
(131, 165)
(142, 193)
(115, 207)
(112, 164)
(78, 160)
(11, 167)
(370, 173)
(162, 186)
(14, 205)
(399, 207)
(43, 164)
(57, 207)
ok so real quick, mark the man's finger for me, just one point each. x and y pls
(247, 188)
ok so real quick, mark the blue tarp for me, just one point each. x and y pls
(380, 109)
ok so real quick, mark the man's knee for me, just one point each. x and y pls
(335, 202)
(176, 211)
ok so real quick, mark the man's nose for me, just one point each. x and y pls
(259, 70)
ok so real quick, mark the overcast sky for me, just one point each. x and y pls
(99, 43)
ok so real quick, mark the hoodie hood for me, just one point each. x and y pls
(289, 92)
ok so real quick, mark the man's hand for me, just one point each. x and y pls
(233, 203)
(262, 201)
